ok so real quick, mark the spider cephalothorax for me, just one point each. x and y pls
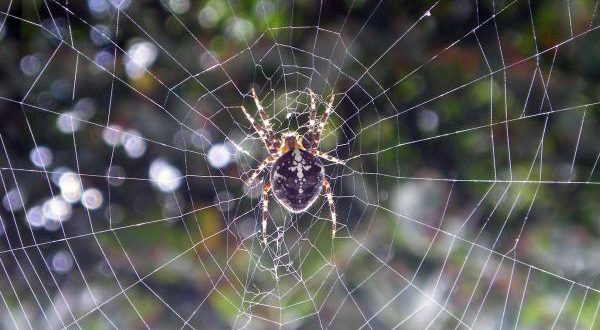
(297, 175)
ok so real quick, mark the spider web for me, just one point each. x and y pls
(469, 198)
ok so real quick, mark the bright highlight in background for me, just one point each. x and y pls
(13, 201)
(134, 145)
(179, 6)
(57, 209)
(164, 176)
(112, 135)
(41, 156)
(62, 262)
(70, 187)
(35, 217)
(92, 199)
(140, 57)
(219, 156)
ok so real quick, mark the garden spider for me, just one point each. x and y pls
(297, 174)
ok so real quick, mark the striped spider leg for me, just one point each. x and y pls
(265, 131)
(316, 125)
(315, 130)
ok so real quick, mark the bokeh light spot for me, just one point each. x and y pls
(112, 135)
(92, 199)
(140, 56)
(134, 145)
(41, 156)
(70, 187)
(62, 262)
(219, 156)
(57, 209)
(31, 65)
(13, 200)
(35, 217)
(164, 176)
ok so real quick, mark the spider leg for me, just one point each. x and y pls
(266, 123)
(331, 206)
(318, 129)
(264, 136)
(328, 157)
(265, 209)
(312, 120)
(260, 168)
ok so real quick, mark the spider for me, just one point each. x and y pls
(297, 175)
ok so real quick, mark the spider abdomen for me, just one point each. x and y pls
(297, 179)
